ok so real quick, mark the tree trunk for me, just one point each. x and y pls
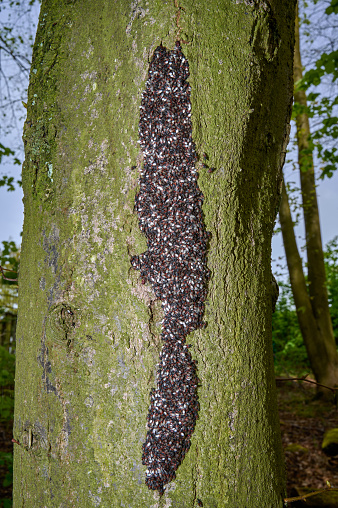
(88, 338)
(313, 307)
(307, 322)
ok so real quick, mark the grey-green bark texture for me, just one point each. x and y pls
(88, 332)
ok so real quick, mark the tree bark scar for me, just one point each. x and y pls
(178, 22)
(169, 207)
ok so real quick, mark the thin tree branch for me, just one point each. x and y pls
(307, 381)
(2, 269)
(17, 58)
(303, 497)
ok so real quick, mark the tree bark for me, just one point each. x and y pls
(88, 330)
(312, 304)
(307, 322)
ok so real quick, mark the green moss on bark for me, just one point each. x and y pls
(88, 332)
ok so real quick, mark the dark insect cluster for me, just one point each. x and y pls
(169, 207)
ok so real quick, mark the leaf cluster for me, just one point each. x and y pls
(288, 347)
(7, 372)
(331, 267)
(320, 83)
(10, 259)
(6, 459)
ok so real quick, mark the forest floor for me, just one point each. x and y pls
(304, 421)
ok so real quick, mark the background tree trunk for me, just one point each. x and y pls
(312, 306)
(88, 331)
(306, 319)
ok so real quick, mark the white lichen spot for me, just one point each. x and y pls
(89, 401)
(50, 170)
(137, 12)
(96, 500)
(88, 75)
(98, 97)
(158, 500)
(90, 51)
(101, 161)
(118, 323)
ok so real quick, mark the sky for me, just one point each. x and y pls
(11, 206)
(13, 84)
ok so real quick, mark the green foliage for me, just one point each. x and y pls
(289, 350)
(326, 64)
(333, 8)
(6, 180)
(331, 267)
(9, 259)
(6, 459)
(6, 152)
(7, 372)
(322, 108)
(6, 503)
(288, 347)
(8, 254)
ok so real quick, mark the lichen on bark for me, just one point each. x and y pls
(88, 329)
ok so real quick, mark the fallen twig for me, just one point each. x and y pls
(304, 496)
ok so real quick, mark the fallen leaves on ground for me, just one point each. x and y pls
(303, 424)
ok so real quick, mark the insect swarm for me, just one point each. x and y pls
(169, 207)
